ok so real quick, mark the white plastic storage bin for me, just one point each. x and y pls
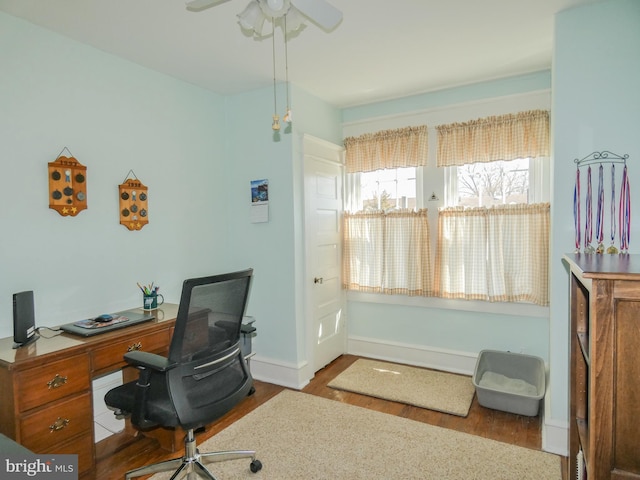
(511, 382)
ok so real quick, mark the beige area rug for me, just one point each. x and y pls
(301, 436)
(444, 392)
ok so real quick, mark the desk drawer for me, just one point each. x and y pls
(41, 385)
(46, 428)
(111, 356)
(81, 446)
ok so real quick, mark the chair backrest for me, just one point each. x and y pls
(211, 374)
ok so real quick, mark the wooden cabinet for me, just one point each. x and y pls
(49, 401)
(605, 365)
(46, 391)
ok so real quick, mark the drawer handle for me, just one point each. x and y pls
(134, 347)
(59, 424)
(56, 382)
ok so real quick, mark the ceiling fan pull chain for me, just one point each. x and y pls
(276, 119)
(287, 113)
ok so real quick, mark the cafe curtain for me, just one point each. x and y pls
(387, 252)
(497, 254)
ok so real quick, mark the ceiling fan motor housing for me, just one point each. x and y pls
(275, 8)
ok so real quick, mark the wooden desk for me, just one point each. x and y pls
(46, 403)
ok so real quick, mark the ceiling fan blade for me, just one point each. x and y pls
(320, 11)
(197, 5)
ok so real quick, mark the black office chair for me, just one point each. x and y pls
(203, 378)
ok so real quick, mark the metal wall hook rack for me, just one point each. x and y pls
(604, 156)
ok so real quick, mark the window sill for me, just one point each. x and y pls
(515, 309)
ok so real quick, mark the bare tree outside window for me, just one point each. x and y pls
(493, 183)
(389, 189)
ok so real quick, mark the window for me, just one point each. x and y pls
(494, 183)
(388, 189)
(496, 188)
(386, 239)
(496, 169)
(520, 181)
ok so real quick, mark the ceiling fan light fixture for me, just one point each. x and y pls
(252, 18)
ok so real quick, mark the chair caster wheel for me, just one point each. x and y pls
(251, 392)
(256, 466)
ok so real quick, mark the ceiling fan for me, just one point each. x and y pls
(319, 11)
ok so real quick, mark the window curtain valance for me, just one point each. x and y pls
(404, 147)
(504, 137)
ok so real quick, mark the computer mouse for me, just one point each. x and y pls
(103, 318)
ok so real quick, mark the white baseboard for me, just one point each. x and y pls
(279, 373)
(298, 376)
(554, 436)
(418, 355)
(555, 433)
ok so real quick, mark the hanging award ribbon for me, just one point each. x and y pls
(600, 212)
(576, 210)
(625, 212)
(612, 248)
(624, 209)
(588, 228)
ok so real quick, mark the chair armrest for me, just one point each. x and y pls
(147, 363)
(247, 328)
(148, 360)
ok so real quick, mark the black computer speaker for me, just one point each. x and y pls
(24, 323)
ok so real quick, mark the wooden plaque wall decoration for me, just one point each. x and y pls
(67, 186)
(133, 196)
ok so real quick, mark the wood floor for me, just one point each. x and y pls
(121, 452)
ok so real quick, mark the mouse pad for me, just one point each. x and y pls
(90, 326)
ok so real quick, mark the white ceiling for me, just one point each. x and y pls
(383, 49)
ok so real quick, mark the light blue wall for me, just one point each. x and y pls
(113, 116)
(596, 106)
(253, 154)
(448, 329)
(449, 96)
(274, 248)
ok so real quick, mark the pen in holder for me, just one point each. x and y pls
(150, 297)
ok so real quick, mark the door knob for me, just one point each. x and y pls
(318, 280)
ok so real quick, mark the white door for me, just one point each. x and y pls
(325, 299)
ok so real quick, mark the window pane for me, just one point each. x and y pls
(388, 189)
(493, 183)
